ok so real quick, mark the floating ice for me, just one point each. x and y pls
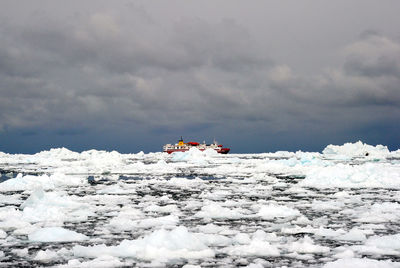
(194, 155)
(216, 211)
(53, 206)
(353, 235)
(55, 234)
(46, 255)
(2, 234)
(100, 262)
(160, 245)
(294, 209)
(272, 211)
(307, 245)
(357, 149)
(365, 263)
(257, 246)
(385, 242)
(369, 175)
(29, 182)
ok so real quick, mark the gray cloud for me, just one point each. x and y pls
(122, 67)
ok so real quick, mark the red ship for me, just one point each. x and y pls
(183, 147)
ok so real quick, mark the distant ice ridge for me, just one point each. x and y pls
(357, 149)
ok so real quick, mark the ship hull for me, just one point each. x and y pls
(221, 150)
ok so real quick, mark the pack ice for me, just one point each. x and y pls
(337, 208)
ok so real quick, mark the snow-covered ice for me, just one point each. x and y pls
(338, 208)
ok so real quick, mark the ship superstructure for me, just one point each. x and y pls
(182, 147)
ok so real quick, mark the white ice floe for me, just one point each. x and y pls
(160, 245)
(257, 246)
(2, 234)
(53, 206)
(46, 255)
(216, 211)
(100, 262)
(370, 175)
(272, 211)
(385, 242)
(364, 262)
(357, 149)
(29, 182)
(194, 155)
(380, 212)
(354, 234)
(307, 245)
(55, 234)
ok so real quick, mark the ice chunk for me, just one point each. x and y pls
(31, 182)
(242, 238)
(194, 155)
(163, 209)
(53, 206)
(216, 211)
(385, 242)
(100, 262)
(345, 254)
(159, 245)
(365, 263)
(379, 213)
(306, 245)
(272, 211)
(46, 255)
(55, 234)
(353, 235)
(20, 252)
(370, 175)
(357, 149)
(326, 232)
(211, 228)
(2, 234)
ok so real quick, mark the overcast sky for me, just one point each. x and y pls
(258, 76)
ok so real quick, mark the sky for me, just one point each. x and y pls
(258, 76)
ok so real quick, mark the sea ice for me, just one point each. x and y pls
(216, 211)
(159, 245)
(307, 245)
(365, 263)
(45, 255)
(357, 149)
(201, 209)
(272, 211)
(55, 234)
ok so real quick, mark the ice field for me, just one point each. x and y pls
(337, 208)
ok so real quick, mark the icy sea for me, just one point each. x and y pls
(335, 208)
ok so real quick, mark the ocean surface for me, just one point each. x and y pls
(336, 208)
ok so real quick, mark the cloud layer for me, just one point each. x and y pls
(122, 68)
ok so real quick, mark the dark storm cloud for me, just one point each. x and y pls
(102, 67)
(119, 66)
